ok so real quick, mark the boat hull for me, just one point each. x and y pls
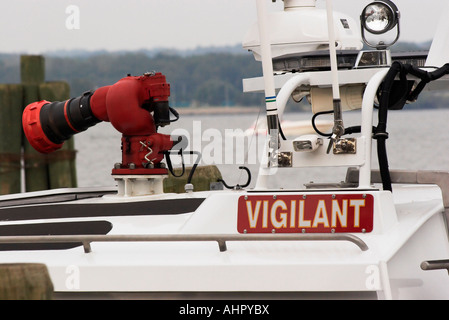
(130, 261)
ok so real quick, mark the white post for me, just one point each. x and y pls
(338, 129)
(287, 89)
(367, 126)
(267, 63)
(270, 93)
(332, 50)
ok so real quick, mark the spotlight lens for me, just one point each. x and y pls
(378, 18)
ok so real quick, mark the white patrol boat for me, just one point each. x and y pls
(379, 234)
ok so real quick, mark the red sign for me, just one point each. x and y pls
(309, 213)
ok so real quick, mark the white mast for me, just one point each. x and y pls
(338, 129)
(267, 63)
(270, 93)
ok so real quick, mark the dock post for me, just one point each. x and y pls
(10, 138)
(32, 73)
(25, 281)
(202, 179)
(56, 170)
(61, 163)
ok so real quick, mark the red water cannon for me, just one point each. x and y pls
(136, 106)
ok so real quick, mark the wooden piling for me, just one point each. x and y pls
(36, 171)
(32, 73)
(202, 178)
(25, 281)
(61, 163)
(56, 170)
(32, 69)
(10, 138)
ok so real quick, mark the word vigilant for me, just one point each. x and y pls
(305, 213)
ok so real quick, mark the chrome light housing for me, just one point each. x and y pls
(378, 18)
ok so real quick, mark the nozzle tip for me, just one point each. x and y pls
(33, 129)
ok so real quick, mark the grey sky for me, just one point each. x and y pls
(35, 26)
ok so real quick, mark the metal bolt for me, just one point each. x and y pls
(333, 196)
(246, 197)
(273, 231)
(364, 195)
(303, 230)
(304, 196)
(132, 165)
(274, 196)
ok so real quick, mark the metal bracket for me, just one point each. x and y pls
(285, 159)
(345, 146)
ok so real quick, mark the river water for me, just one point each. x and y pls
(417, 140)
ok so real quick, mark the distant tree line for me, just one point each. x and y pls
(213, 79)
(206, 78)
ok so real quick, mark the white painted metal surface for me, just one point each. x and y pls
(409, 226)
(280, 266)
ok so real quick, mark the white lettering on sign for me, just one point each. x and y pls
(281, 215)
(357, 204)
(320, 215)
(303, 223)
(341, 214)
(282, 222)
(253, 216)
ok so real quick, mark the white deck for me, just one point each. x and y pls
(404, 236)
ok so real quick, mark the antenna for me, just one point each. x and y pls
(338, 129)
(270, 93)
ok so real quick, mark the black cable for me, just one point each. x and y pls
(170, 166)
(425, 77)
(181, 152)
(238, 186)
(280, 130)
(403, 92)
(348, 130)
(380, 134)
(248, 181)
(192, 171)
(175, 113)
(314, 125)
